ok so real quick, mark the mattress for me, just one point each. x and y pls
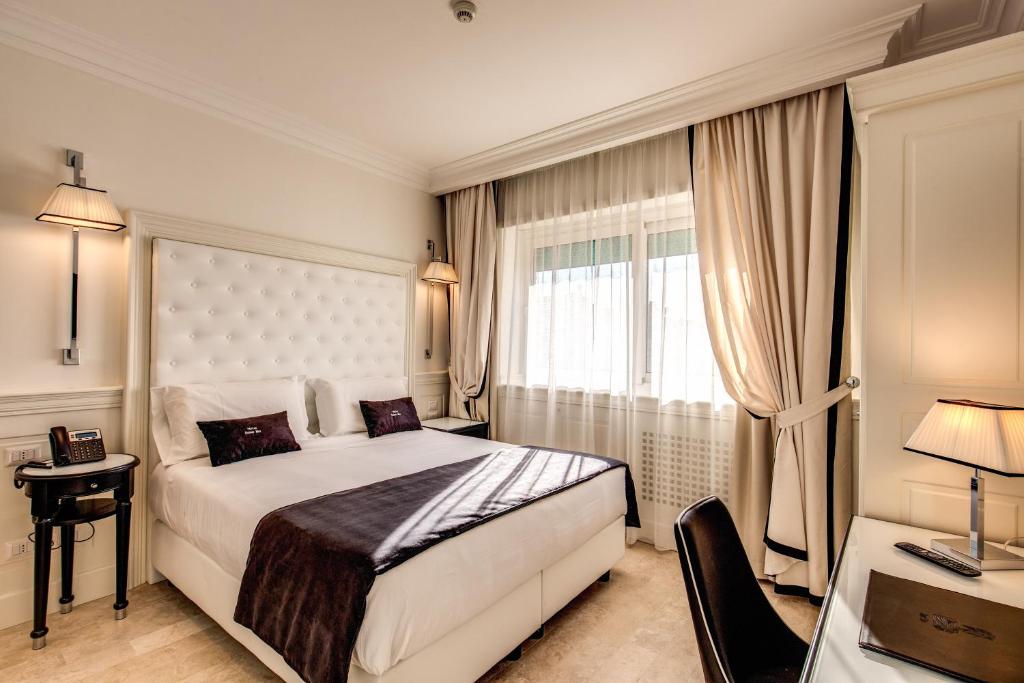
(418, 602)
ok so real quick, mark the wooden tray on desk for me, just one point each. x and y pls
(952, 633)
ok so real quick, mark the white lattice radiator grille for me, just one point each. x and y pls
(678, 470)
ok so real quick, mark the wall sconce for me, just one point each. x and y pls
(441, 273)
(80, 207)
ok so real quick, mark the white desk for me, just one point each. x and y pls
(835, 656)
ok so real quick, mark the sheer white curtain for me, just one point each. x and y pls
(600, 339)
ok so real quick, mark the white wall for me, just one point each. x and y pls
(942, 248)
(157, 157)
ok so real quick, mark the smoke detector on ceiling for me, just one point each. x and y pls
(464, 11)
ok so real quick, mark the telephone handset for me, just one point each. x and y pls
(77, 446)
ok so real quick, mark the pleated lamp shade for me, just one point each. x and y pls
(82, 207)
(983, 435)
(442, 273)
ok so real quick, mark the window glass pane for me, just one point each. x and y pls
(671, 243)
(586, 253)
(680, 362)
(579, 315)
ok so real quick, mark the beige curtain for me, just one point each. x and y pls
(470, 228)
(767, 197)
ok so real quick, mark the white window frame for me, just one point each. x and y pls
(650, 217)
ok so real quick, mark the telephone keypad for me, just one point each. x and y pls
(87, 451)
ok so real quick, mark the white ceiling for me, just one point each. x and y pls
(404, 77)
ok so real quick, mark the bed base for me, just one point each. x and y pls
(464, 654)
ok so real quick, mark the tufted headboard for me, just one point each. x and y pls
(214, 303)
(225, 315)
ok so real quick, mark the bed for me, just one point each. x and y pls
(447, 614)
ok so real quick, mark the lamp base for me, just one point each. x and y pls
(995, 557)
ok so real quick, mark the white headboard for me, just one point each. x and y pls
(212, 303)
(224, 315)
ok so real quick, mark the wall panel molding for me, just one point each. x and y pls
(432, 378)
(947, 508)
(941, 259)
(948, 299)
(432, 386)
(59, 401)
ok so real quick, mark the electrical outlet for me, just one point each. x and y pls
(16, 550)
(22, 453)
(432, 409)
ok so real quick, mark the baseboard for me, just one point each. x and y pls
(16, 607)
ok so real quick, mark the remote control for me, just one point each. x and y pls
(940, 559)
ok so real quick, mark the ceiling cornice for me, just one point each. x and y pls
(832, 60)
(44, 36)
(913, 44)
(781, 75)
(968, 69)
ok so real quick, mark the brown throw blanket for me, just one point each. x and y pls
(311, 565)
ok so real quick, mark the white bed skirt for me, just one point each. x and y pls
(464, 654)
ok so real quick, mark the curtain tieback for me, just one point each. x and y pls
(808, 409)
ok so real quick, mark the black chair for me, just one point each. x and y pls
(739, 634)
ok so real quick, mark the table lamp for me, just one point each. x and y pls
(987, 437)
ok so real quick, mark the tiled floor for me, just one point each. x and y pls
(635, 628)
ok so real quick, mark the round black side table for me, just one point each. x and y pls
(55, 495)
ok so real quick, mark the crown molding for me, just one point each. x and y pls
(913, 44)
(969, 68)
(59, 401)
(783, 74)
(28, 30)
(893, 38)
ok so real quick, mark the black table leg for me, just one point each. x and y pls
(67, 567)
(124, 518)
(43, 541)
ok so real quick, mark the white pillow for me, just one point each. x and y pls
(337, 400)
(159, 427)
(190, 403)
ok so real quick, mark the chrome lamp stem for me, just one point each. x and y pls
(70, 354)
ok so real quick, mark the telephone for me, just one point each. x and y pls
(77, 446)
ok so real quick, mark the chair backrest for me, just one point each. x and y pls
(736, 627)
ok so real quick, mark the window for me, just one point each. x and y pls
(621, 314)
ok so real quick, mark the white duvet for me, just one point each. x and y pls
(421, 600)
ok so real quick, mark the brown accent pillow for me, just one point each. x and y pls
(248, 437)
(388, 417)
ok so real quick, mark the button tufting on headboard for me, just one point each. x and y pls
(224, 315)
